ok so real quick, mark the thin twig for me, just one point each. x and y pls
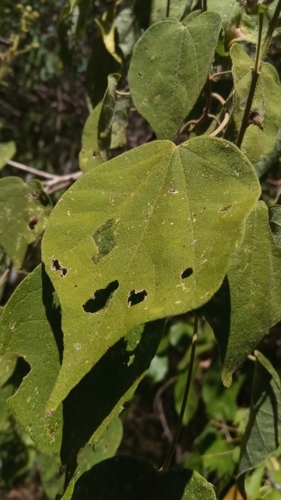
(158, 406)
(185, 396)
(272, 481)
(4, 275)
(218, 97)
(270, 30)
(220, 73)
(30, 170)
(222, 125)
(120, 92)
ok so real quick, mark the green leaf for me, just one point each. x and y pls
(149, 234)
(247, 304)
(271, 158)
(128, 478)
(24, 211)
(263, 431)
(275, 223)
(128, 30)
(120, 122)
(259, 138)
(7, 151)
(268, 366)
(159, 9)
(26, 327)
(182, 56)
(96, 137)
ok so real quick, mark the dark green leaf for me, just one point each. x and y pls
(128, 478)
(247, 304)
(263, 433)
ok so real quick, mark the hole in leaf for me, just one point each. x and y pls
(224, 209)
(101, 298)
(104, 239)
(136, 297)
(33, 221)
(140, 74)
(56, 266)
(186, 273)
(173, 191)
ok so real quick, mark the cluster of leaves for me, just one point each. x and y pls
(171, 227)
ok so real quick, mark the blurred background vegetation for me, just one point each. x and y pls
(45, 99)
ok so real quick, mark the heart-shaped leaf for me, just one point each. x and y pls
(169, 68)
(149, 234)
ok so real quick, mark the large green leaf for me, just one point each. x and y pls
(168, 70)
(127, 478)
(24, 211)
(263, 433)
(7, 151)
(146, 235)
(30, 327)
(248, 303)
(265, 118)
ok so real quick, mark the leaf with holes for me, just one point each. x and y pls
(265, 115)
(24, 211)
(247, 304)
(263, 432)
(169, 68)
(146, 235)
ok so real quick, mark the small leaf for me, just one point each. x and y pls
(8, 363)
(247, 304)
(7, 151)
(137, 248)
(182, 56)
(96, 137)
(128, 30)
(265, 116)
(159, 9)
(268, 366)
(275, 223)
(24, 211)
(120, 122)
(128, 478)
(263, 432)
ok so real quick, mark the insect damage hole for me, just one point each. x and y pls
(33, 221)
(101, 297)
(56, 266)
(136, 297)
(186, 273)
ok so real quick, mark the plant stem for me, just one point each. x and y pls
(255, 77)
(168, 8)
(166, 464)
(270, 30)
